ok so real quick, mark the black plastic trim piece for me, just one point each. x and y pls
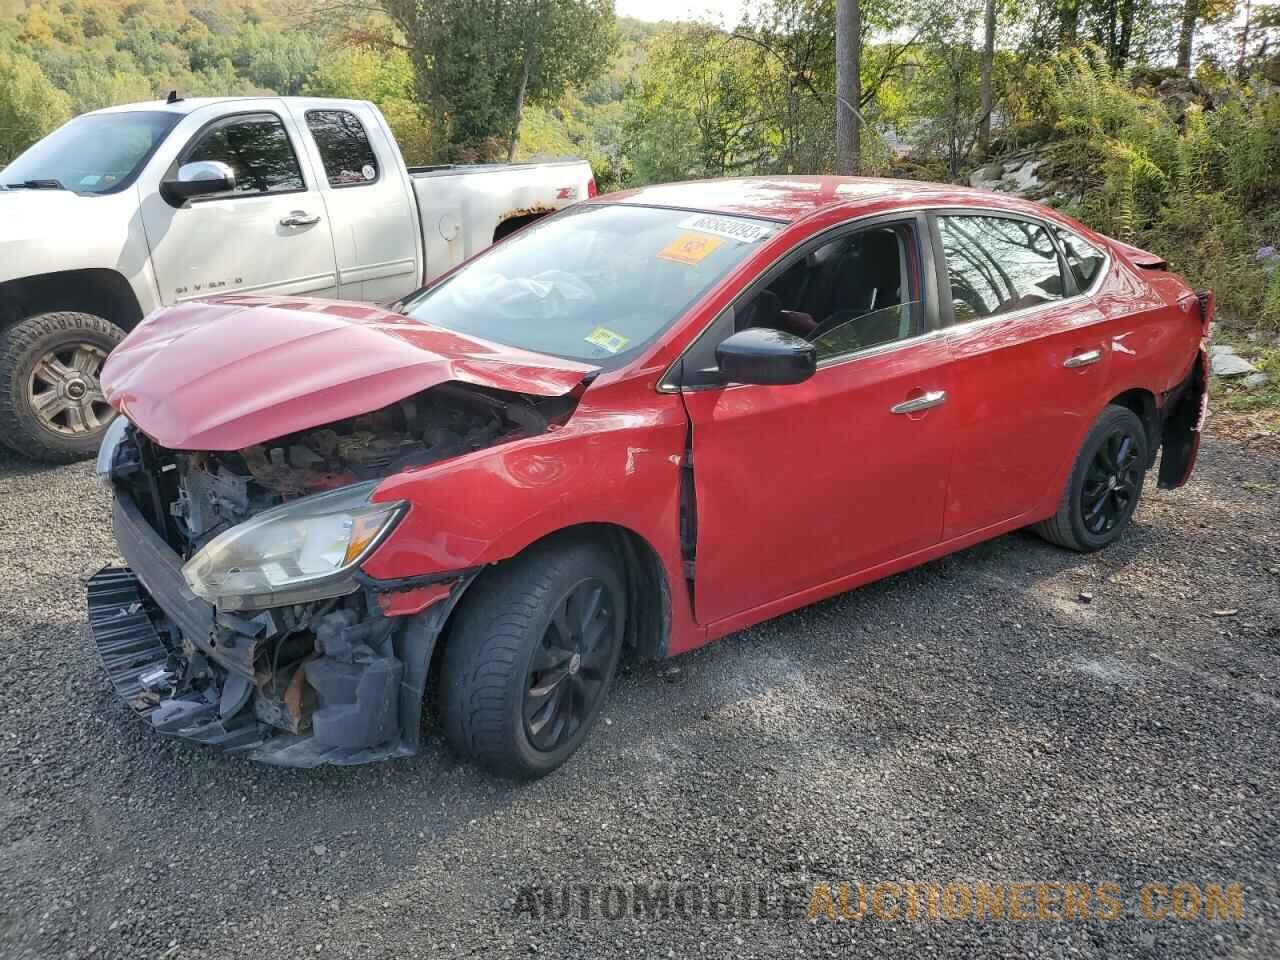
(398, 584)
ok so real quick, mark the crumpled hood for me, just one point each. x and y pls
(230, 372)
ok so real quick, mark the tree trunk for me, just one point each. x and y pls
(848, 87)
(1068, 22)
(1242, 67)
(988, 55)
(1127, 8)
(1187, 34)
(524, 85)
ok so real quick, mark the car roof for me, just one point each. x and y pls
(191, 104)
(791, 198)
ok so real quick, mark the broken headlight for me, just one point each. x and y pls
(301, 551)
(111, 441)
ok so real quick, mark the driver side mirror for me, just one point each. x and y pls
(762, 355)
(197, 180)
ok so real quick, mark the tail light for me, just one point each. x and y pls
(591, 187)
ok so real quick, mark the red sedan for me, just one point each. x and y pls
(636, 426)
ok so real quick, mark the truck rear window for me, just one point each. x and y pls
(344, 147)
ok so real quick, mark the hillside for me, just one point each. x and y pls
(57, 60)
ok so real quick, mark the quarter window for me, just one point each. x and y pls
(1084, 259)
(257, 148)
(344, 147)
(998, 265)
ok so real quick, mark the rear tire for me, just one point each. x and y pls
(1105, 484)
(51, 402)
(530, 658)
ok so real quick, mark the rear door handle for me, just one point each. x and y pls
(1082, 359)
(934, 398)
(299, 218)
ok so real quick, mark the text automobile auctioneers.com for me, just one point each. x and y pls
(887, 900)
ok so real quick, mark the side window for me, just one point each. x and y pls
(344, 147)
(863, 290)
(856, 291)
(257, 148)
(998, 265)
(1084, 259)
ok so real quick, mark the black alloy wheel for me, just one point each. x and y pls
(1105, 484)
(569, 667)
(1111, 483)
(530, 654)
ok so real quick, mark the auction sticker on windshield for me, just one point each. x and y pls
(689, 248)
(742, 230)
(607, 339)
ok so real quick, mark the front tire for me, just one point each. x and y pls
(51, 403)
(530, 658)
(1105, 484)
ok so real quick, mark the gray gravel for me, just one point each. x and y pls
(976, 719)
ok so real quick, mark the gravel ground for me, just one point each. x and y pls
(972, 720)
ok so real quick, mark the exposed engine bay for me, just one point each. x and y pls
(329, 680)
(195, 496)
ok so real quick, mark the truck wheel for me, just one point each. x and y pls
(51, 403)
(530, 657)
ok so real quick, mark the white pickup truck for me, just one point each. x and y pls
(127, 209)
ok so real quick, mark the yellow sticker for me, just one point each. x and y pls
(607, 339)
(689, 248)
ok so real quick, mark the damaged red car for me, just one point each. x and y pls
(633, 427)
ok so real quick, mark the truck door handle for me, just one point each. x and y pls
(934, 398)
(299, 218)
(1082, 359)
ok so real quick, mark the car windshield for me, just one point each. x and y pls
(98, 153)
(595, 283)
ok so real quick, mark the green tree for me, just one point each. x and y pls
(30, 106)
(478, 65)
(946, 90)
(384, 77)
(697, 110)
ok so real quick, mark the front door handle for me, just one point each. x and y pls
(299, 218)
(1082, 359)
(926, 401)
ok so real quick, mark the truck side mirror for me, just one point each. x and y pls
(197, 180)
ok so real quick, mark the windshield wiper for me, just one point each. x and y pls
(49, 184)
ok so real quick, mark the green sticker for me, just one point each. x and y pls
(607, 339)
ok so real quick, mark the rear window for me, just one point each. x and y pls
(998, 265)
(344, 147)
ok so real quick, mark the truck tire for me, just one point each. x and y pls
(530, 657)
(51, 402)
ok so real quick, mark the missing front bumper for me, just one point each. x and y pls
(368, 707)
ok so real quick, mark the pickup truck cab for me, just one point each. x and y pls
(131, 208)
